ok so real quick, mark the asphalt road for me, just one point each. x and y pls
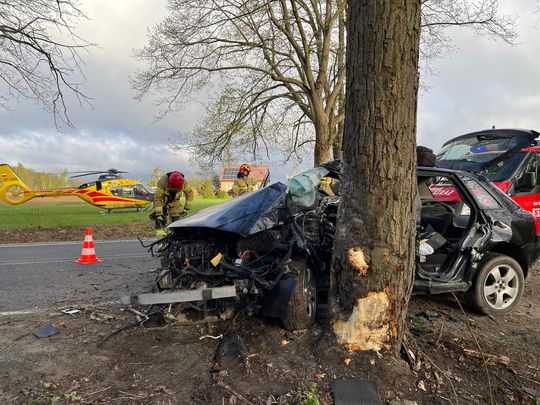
(45, 275)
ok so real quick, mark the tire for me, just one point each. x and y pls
(302, 305)
(497, 286)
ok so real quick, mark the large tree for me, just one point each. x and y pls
(374, 246)
(39, 54)
(271, 72)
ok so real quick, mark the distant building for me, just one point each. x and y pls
(227, 176)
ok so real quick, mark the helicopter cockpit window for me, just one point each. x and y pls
(141, 190)
(133, 191)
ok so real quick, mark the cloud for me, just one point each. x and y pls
(483, 83)
(52, 151)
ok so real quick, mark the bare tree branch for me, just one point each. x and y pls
(36, 64)
(276, 68)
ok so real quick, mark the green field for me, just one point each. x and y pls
(49, 215)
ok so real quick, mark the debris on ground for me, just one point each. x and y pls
(71, 311)
(355, 391)
(46, 330)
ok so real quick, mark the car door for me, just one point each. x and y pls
(525, 188)
(457, 237)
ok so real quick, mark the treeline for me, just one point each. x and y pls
(42, 180)
(207, 188)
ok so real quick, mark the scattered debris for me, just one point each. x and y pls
(100, 316)
(231, 352)
(490, 359)
(71, 311)
(422, 385)
(351, 392)
(347, 361)
(429, 315)
(46, 331)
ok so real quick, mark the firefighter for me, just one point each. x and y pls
(170, 188)
(241, 184)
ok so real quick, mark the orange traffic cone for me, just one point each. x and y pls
(88, 254)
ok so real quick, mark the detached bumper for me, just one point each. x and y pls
(201, 294)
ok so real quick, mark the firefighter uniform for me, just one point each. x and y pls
(241, 186)
(167, 200)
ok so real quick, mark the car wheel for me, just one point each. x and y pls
(302, 305)
(498, 285)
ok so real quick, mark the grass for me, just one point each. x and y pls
(56, 215)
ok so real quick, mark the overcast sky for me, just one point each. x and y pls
(483, 83)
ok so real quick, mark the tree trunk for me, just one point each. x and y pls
(338, 140)
(323, 140)
(374, 249)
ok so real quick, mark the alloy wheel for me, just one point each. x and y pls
(501, 287)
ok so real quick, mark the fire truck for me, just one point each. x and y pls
(510, 158)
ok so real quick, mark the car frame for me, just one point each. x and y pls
(270, 251)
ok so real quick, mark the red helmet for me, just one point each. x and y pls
(176, 180)
(245, 169)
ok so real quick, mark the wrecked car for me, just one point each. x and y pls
(481, 243)
(269, 251)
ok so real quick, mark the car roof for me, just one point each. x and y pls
(506, 132)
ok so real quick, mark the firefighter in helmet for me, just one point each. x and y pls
(170, 188)
(241, 184)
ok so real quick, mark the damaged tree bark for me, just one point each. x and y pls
(374, 249)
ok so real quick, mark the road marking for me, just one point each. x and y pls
(24, 312)
(40, 310)
(62, 259)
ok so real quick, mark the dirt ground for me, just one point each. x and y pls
(441, 361)
(76, 233)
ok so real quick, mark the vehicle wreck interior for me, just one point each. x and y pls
(441, 225)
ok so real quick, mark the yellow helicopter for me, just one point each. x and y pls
(110, 191)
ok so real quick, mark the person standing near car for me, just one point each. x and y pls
(170, 187)
(242, 184)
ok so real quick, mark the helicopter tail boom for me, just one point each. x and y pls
(12, 189)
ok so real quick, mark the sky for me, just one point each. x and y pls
(481, 84)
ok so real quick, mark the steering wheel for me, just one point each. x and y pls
(436, 202)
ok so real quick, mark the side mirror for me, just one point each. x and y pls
(529, 181)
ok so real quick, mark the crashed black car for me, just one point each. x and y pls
(269, 251)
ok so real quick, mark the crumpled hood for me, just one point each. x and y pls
(245, 215)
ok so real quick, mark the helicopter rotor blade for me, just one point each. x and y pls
(113, 172)
(86, 174)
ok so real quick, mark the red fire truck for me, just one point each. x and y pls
(510, 158)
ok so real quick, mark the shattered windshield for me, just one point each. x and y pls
(302, 189)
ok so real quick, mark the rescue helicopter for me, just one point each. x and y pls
(110, 191)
